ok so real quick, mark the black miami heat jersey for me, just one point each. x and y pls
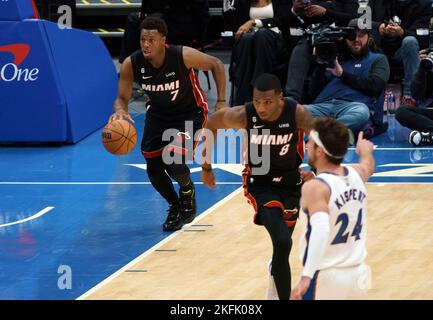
(173, 89)
(283, 142)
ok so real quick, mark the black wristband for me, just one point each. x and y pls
(206, 169)
(221, 100)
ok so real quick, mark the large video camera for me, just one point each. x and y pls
(327, 38)
(427, 63)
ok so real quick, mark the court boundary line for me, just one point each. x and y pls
(103, 183)
(233, 183)
(156, 246)
(33, 217)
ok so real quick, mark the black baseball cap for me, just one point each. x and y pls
(359, 24)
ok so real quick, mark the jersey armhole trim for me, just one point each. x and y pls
(357, 172)
(326, 183)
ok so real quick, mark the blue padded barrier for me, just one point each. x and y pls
(58, 85)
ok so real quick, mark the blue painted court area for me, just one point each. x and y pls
(101, 220)
(104, 212)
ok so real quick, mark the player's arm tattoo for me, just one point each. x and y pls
(304, 120)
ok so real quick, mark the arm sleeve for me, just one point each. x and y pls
(374, 83)
(317, 243)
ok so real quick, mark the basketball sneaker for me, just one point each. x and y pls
(174, 220)
(418, 138)
(188, 205)
(271, 291)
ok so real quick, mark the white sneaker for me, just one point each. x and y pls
(271, 291)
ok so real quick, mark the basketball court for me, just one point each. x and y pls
(79, 208)
(77, 222)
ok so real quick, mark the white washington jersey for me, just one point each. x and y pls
(347, 221)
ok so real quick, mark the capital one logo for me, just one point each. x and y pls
(12, 71)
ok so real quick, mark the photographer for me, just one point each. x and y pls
(348, 90)
(420, 119)
(394, 24)
(339, 12)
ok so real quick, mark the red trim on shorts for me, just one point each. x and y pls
(250, 199)
(301, 144)
(35, 10)
(274, 204)
(198, 92)
(287, 214)
(152, 154)
(200, 98)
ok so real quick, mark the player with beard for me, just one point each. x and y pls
(348, 91)
(334, 217)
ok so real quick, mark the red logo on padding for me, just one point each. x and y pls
(11, 72)
(19, 51)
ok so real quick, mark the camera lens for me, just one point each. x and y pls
(427, 63)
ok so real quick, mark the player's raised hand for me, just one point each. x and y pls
(307, 175)
(364, 146)
(300, 289)
(119, 115)
(208, 178)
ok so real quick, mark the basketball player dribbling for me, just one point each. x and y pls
(166, 73)
(334, 217)
(275, 124)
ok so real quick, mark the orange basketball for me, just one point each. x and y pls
(119, 137)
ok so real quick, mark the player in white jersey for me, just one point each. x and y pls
(334, 217)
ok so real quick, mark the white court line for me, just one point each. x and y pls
(97, 183)
(33, 217)
(391, 149)
(148, 183)
(158, 245)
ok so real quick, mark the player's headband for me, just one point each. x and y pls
(315, 136)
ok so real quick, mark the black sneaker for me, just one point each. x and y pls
(174, 220)
(188, 206)
(418, 138)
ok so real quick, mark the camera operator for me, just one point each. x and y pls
(420, 120)
(395, 23)
(339, 12)
(348, 90)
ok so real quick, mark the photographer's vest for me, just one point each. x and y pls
(337, 89)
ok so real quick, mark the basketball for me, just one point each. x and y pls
(119, 137)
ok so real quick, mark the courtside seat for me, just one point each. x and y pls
(57, 85)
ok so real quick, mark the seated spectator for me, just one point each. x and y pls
(415, 118)
(394, 24)
(339, 12)
(186, 20)
(261, 28)
(349, 90)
